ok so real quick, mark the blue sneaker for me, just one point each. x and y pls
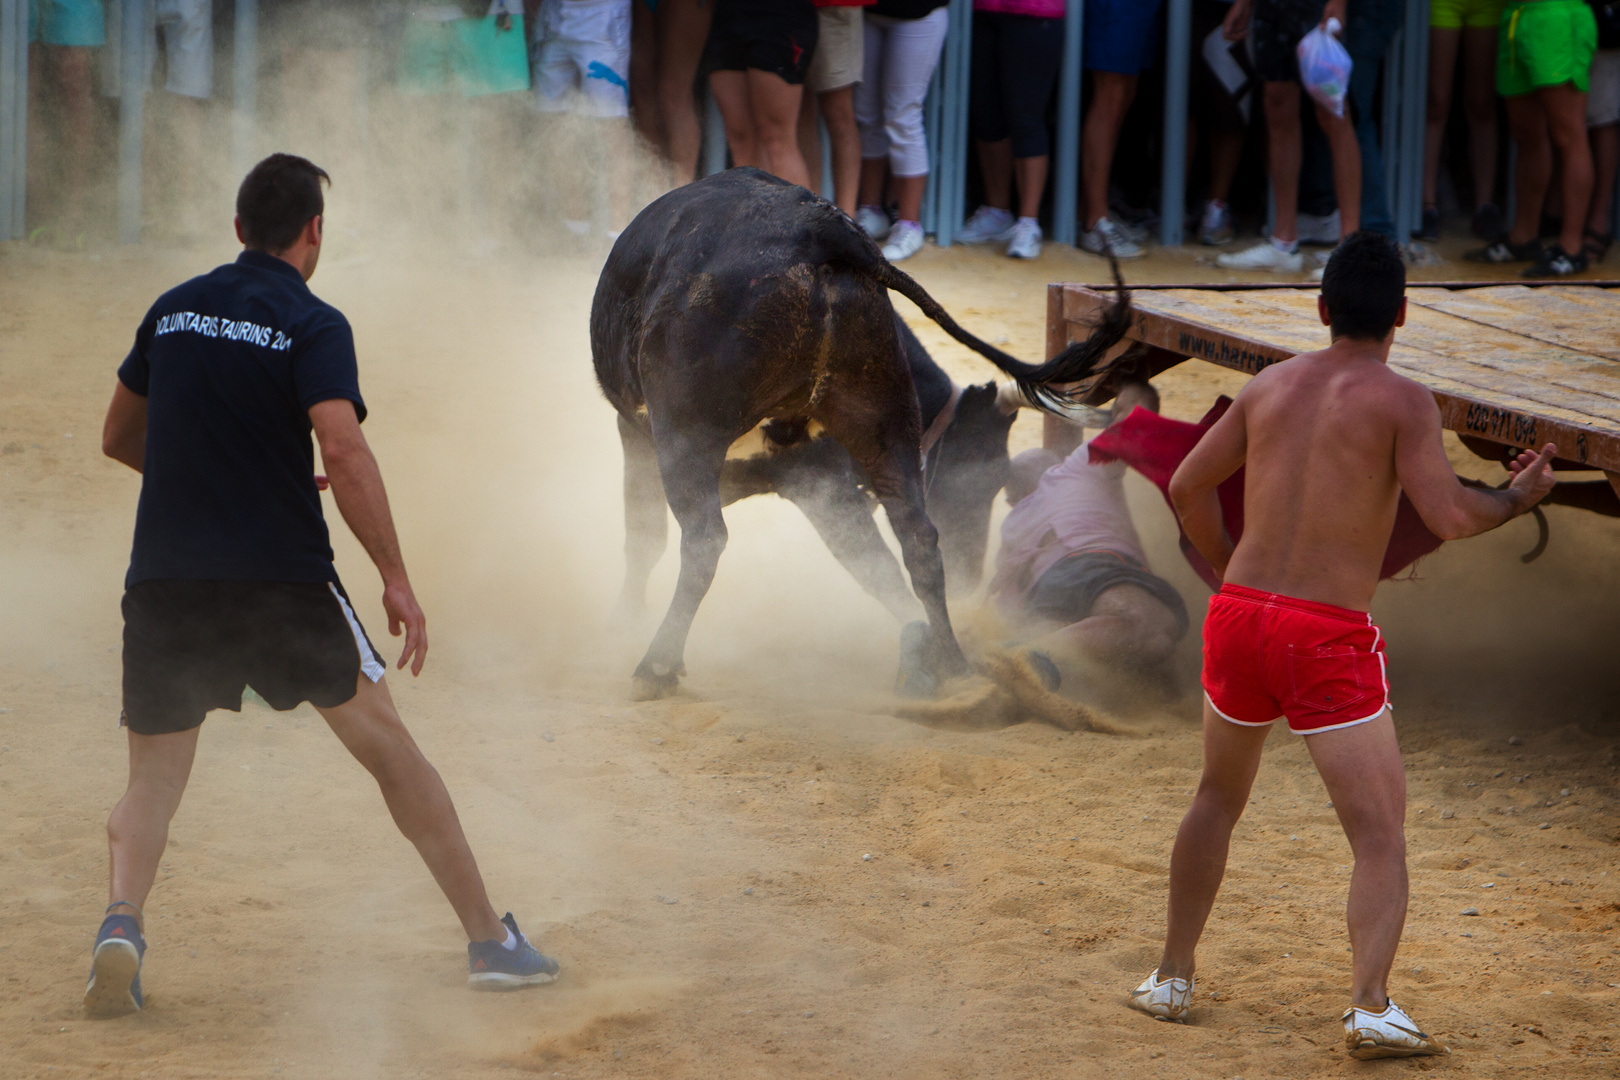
(115, 968)
(492, 966)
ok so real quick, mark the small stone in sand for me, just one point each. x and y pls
(658, 742)
(662, 899)
(1545, 825)
(1470, 911)
(748, 891)
(1564, 792)
(1489, 885)
(809, 1013)
(1514, 740)
(1448, 814)
(867, 857)
(548, 736)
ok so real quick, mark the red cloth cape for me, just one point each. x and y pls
(1155, 446)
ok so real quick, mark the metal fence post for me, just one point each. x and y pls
(1066, 168)
(1177, 76)
(714, 137)
(953, 140)
(1414, 103)
(131, 110)
(245, 84)
(1389, 132)
(13, 118)
(931, 114)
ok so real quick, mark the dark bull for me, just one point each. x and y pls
(743, 304)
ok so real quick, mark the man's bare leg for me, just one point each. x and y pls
(1341, 136)
(138, 829)
(1287, 152)
(1198, 860)
(1361, 767)
(370, 728)
(1127, 626)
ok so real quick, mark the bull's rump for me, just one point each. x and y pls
(731, 286)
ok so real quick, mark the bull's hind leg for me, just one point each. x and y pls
(690, 466)
(842, 515)
(888, 453)
(646, 517)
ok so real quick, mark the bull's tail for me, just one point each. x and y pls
(1046, 386)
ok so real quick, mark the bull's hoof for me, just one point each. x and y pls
(915, 680)
(652, 689)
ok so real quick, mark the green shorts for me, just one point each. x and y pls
(67, 22)
(1469, 14)
(1544, 43)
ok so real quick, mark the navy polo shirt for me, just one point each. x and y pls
(230, 363)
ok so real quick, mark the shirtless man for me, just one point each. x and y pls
(1329, 439)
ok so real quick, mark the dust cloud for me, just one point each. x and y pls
(698, 864)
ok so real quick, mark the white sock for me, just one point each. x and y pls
(1287, 247)
(511, 941)
(1033, 221)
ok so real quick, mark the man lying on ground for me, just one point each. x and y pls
(1071, 570)
(1329, 441)
(231, 582)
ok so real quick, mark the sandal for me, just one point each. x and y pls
(1595, 245)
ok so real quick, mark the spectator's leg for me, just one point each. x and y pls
(838, 112)
(1225, 155)
(1605, 161)
(1443, 47)
(1527, 123)
(988, 109)
(72, 69)
(1341, 135)
(1030, 173)
(644, 107)
(1479, 105)
(1111, 97)
(913, 52)
(1031, 53)
(775, 104)
(1286, 153)
(809, 136)
(874, 141)
(1565, 107)
(683, 29)
(730, 89)
(996, 165)
(873, 172)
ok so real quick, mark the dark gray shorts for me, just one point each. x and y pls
(1068, 590)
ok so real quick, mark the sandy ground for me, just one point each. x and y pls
(699, 864)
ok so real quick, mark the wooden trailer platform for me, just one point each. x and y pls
(1509, 364)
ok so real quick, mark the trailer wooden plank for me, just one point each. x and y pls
(1553, 382)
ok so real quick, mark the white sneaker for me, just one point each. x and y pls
(873, 221)
(905, 240)
(1166, 999)
(1108, 237)
(1390, 1033)
(1319, 228)
(1263, 256)
(1215, 229)
(1026, 239)
(988, 225)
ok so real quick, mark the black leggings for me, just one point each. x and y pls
(1015, 68)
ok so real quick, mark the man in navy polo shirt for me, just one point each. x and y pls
(231, 582)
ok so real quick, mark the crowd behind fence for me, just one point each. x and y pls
(1105, 123)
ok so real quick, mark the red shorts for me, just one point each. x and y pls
(1267, 656)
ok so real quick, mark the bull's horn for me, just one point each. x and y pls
(1009, 399)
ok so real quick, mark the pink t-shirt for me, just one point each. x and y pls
(1077, 506)
(1041, 9)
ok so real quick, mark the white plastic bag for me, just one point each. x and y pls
(1324, 67)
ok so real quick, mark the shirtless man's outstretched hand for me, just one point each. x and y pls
(1329, 440)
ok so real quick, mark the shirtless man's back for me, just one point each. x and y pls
(1329, 441)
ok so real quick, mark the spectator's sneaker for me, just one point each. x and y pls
(1319, 228)
(988, 225)
(115, 968)
(1390, 1033)
(1215, 229)
(492, 966)
(1264, 256)
(1429, 228)
(873, 221)
(1554, 261)
(1487, 223)
(1504, 251)
(1108, 237)
(905, 240)
(1026, 239)
(1163, 999)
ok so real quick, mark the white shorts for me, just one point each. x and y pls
(1603, 95)
(581, 57)
(188, 46)
(840, 48)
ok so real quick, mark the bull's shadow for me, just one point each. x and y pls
(743, 331)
